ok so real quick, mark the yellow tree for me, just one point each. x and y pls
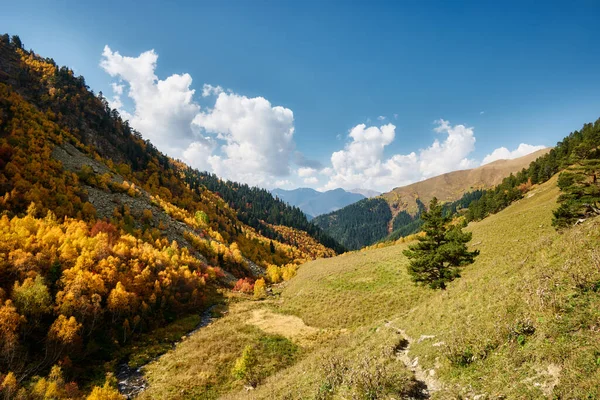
(10, 321)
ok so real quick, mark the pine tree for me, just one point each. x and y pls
(439, 255)
(580, 197)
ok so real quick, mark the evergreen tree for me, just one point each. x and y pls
(438, 256)
(580, 197)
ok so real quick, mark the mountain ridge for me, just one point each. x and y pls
(452, 185)
(314, 202)
(373, 219)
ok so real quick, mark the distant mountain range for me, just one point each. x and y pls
(395, 212)
(314, 203)
(365, 192)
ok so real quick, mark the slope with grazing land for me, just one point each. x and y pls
(521, 322)
(365, 223)
(453, 185)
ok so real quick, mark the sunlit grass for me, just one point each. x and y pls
(523, 321)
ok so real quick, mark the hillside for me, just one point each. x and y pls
(106, 243)
(396, 213)
(519, 323)
(315, 203)
(365, 192)
(453, 185)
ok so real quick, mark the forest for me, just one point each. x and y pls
(580, 148)
(115, 241)
(359, 224)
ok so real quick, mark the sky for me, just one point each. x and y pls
(328, 94)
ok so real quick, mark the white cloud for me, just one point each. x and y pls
(395, 116)
(362, 163)
(313, 180)
(481, 112)
(306, 172)
(117, 88)
(239, 138)
(258, 138)
(502, 153)
(381, 117)
(198, 153)
(164, 109)
(449, 155)
(210, 90)
(283, 183)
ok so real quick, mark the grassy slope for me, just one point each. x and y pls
(522, 322)
(452, 185)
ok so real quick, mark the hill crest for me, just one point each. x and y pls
(452, 185)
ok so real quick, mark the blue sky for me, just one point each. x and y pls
(493, 74)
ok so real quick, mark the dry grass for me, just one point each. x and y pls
(522, 322)
(289, 326)
(451, 186)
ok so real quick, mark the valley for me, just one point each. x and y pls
(504, 329)
(146, 251)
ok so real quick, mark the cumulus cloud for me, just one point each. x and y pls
(210, 90)
(502, 153)
(239, 138)
(117, 88)
(362, 162)
(313, 180)
(164, 109)
(198, 153)
(449, 155)
(258, 138)
(306, 172)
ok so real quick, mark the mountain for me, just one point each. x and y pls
(106, 242)
(315, 203)
(396, 212)
(531, 294)
(451, 186)
(365, 192)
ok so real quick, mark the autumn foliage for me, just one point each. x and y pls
(109, 240)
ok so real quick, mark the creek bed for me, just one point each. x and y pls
(131, 381)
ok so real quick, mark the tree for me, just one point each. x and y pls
(16, 41)
(580, 197)
(260, 289)
(245, 367)
(439, 255)
(32, 298)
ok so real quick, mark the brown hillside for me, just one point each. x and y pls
(451, 186)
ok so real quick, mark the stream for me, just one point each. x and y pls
(131, 381)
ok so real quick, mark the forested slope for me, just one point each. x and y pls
(103, 238)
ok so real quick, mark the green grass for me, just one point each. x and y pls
(506, 327)
(523, 321)
(151, 345)
(200, 366)
(352, 290)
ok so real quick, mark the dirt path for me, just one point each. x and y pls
(425, 376)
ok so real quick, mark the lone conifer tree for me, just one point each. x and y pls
(580, 197)
(438, 256)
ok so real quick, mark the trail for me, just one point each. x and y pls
(131, 381)
(431, 383)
